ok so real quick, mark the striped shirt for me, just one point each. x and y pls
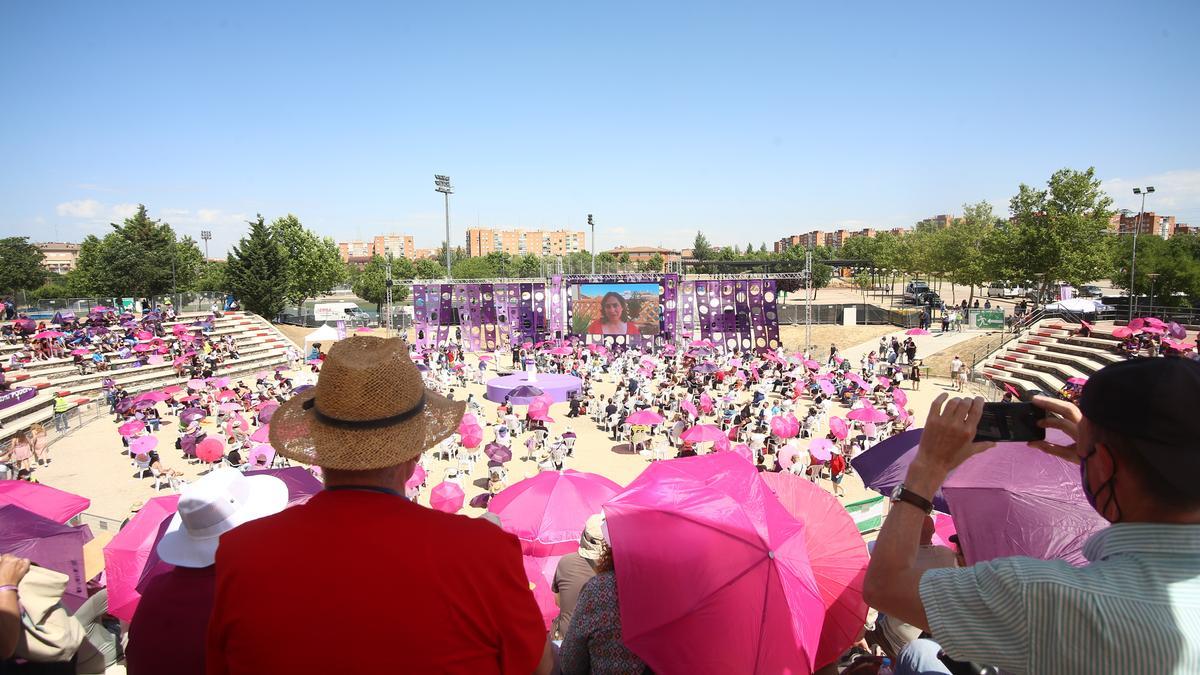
(1134, 609)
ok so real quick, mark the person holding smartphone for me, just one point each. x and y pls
(1135, 608)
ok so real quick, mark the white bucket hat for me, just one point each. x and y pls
(214, 505)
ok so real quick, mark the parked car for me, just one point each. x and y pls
(1004, 290)
(1090, 292)
(914, 289)
(929, 299)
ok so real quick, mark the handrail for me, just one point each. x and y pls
(1006, 336)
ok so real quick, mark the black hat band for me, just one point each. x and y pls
(311, 405)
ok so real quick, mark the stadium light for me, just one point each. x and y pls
(442, 184)
(1133, 260)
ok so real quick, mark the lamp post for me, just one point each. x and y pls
(442, 184)
(1153, 276)
(206, 235)
(592, 224)
(1133, 260)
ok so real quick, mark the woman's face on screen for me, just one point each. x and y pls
(612, 310)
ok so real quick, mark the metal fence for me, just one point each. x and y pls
(865, 314)
(184, 302)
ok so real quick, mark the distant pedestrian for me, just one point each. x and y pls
(956, 367)
(61, 408)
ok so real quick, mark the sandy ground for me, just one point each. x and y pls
(91, 460)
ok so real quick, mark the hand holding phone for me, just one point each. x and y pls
(1010, 422)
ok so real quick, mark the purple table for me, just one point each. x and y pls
(559, 387)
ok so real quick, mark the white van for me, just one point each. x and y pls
(1003, 290)
(340, 311)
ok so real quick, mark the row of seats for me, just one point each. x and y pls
(1049, 354)
(260, 345)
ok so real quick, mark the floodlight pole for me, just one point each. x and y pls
(442, 184)
(808, 299)
(1133, 261)
(387, 284)
(592, 223)
(206, 235)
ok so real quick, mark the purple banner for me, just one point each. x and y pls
(15, 396)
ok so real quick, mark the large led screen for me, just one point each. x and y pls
(615, 309)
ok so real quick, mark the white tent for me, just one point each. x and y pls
(325, 333)
(1083, 305)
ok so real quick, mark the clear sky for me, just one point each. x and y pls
(749, 121)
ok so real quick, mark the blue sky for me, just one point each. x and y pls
(749, 121)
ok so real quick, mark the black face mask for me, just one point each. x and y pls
(1109, 485)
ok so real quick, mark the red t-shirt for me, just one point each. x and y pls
(362, 582)
(167, 631)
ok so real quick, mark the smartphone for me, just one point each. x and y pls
(1010, 422)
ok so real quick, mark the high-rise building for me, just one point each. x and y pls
(834, 239)
(1151, 223)
(395, 245)
(354, 249)
(60, 257)
(482, 241)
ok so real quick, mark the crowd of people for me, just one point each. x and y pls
(382, 409)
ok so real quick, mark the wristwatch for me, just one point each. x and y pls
(903, 494)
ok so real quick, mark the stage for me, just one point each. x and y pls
(559, 387)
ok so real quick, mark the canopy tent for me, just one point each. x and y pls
(1083, 305)
(325, 333)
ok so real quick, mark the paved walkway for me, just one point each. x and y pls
(926, 344)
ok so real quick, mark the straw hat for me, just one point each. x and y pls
(369, 410)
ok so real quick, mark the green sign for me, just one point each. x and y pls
(987, 319)
(867, 514)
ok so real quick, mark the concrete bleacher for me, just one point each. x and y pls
(1049, 354)
(260, 346)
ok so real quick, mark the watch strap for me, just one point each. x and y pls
(903, 494)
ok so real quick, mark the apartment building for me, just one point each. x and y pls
(482, 241)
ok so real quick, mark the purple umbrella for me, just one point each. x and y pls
(124, 405)
(48, 544)
(706, 368)
(191, 414)
(497, 452)
(884, 465)
(524, 391)
(302, 388)
(300, 483)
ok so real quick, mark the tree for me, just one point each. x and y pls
(140, 257)
(313, 266)
(257, 271)
(527, 267)
(654, 264)
(20, 264)
(1174, 261)
(1060, 231)
(371, 283)
(428, 269)
(189, 266)
(213, 278)
(701, 251)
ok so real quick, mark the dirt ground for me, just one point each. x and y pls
(939, 362)
(825, 335)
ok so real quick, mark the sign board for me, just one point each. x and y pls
(15, 396)
(849, 316)
(987, 319)
(867, 514)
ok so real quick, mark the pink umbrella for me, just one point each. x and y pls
(703, 433)
(867, 415)
(742, 450)
(1122, 332)
(131, 428)
(821, 449)
(899, 397)
(47, 335)
(836, 554)
(1077, 380)
(1138, 323)
(706, 403)
(196, 385)
(837, 426)
(787, 456)
(812, 365)
(262, 434)
(127, 555)
(45, 501)
(267, 411)
(689, 407)
(210, 449)
(826, 387)
(1155, 322)
(236, 423)
(885, 381)
(79, 352)
(541, 588)
(539, 406)
(486, 357)
(143, 348)
(446, 497)
(869, 428)
(916, 331)
(229, 407)
(416, 479)
(561, 351)
(547, 512)
(472, 437)
(261, 455)
(644, 417)
(943, 529)
(226, 394)
(713, 571)
(1154, 330)
(782, 428)
(142, 445)
(1012, 390)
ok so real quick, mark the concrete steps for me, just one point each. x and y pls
(1049, 355)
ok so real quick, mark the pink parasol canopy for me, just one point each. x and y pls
(446, 497)
(646, 417)
(837, 426)
(131, 428)
(45, 501)
(689, 407)
(706, 403)
(1137, 324)
(826, 387)
(79, 352)
(262, 434)
(142, 445)
(1155, 330)
(539, 406)
(714, 573)
(900, 397)
(821, 449)
(1122, 332)
(127, 555)
(702, 433)
(812, 365)
(836, 554)
(261, 455)
(547, 512)
(210, 449)
(1077, 380)
(47, 335)
(916, 331)
(787, 456)
(943, 529)
(782, 427)
(416, 479)
(561, 351)
(867, 415)
(196, 385)
(541, 589)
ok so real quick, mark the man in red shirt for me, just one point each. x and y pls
(360, 580)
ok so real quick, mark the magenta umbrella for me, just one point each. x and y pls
(689, 407)
(837, 426)
(261, 455)
(836, 554)
(703, 433)
(446, 497)
(713, 573)
(262, 434)
(539, 407)
(1122, 332)
(47, 544)
(142, 445)
(497, 452)
(210, 449)
(79, 352)
(867, 415)
(821, 449)
(416, 479)
(547, 512)
(47, 335)
(916, 331)
(127, 555)
(47, 502)
(899, 397)
(561, 351)
(131, 428)
(156, 396)
(646, 417)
